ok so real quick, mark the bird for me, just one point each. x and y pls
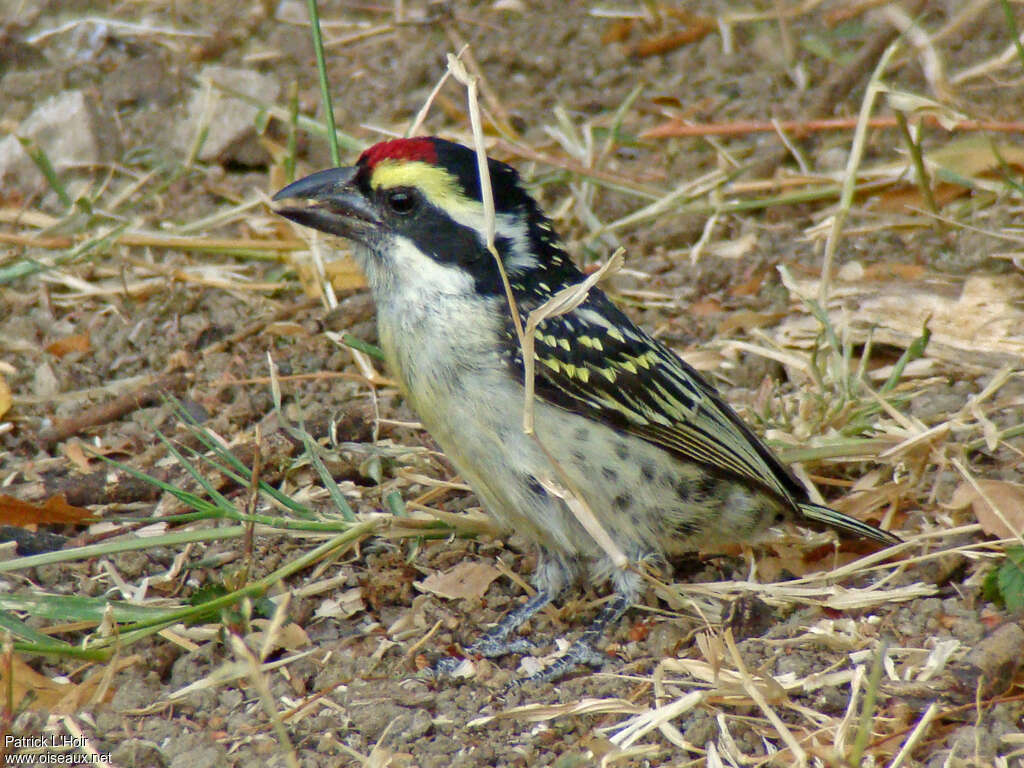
(663, 464)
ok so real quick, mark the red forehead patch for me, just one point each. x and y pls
(421, 149)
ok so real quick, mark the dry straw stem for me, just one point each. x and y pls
(539, 713)
(562, 486)
(856, 681)
(688, 190)
(92, 755)
(561, 303)
(677, 129)
(253, 669)
(660, 718)
(755, 693)
(928, 55)
(916, 735)
(421, 116)
(229, 673)
(149, 240)
(1005, 59)
(1003, 517)
(850, 177)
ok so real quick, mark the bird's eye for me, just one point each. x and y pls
(401, 201)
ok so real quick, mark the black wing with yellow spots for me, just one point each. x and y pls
(594, 362)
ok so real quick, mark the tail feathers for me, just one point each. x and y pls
(818, 514)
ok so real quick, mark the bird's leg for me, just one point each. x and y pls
(584, 650)
(496, 641)
(553, 575)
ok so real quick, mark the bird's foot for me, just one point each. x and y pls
(486, 647)
(583, 651)
(499, 639)
(579, 654)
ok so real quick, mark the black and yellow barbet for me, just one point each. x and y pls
(664, 464)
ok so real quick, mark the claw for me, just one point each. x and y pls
(486, 647)
(497, 641)
(578, 654)
(584, 651)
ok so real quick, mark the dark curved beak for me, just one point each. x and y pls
(330, 201)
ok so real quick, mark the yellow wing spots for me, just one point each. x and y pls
(437, 185)
(646, 360)
(570, 370)
(550, 362)
(608, 373)
(564, 344)
(583, 374)
(586, 341)
(626, 365)
(614, 333)
(548, 339)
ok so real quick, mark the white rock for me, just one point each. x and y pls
(63, 127)
(229, 121)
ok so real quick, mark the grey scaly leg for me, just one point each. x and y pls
(584, 650)
(496, 641)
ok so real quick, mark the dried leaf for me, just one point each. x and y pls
(916, 105)
(287, 330)
(6, 400)
(1007, 496)
(75, 453)
(978, 321)
(348, 603)
(95, 688)
(55, 510)
(974, 156)
(79, 342)
(745, 319)
(907, 198)
(345, 275)
(864, 504)
(45, 692)
(892, 270)
(467, 579)
(289, 637)
(735, 249)
(704, 307)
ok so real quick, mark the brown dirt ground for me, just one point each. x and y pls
(551, 68)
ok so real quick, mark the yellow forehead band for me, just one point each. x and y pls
(436, 184)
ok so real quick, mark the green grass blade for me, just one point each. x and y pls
(38, 156)
(325, 86)
(313, 452)
(20, 629)
(126, 545)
